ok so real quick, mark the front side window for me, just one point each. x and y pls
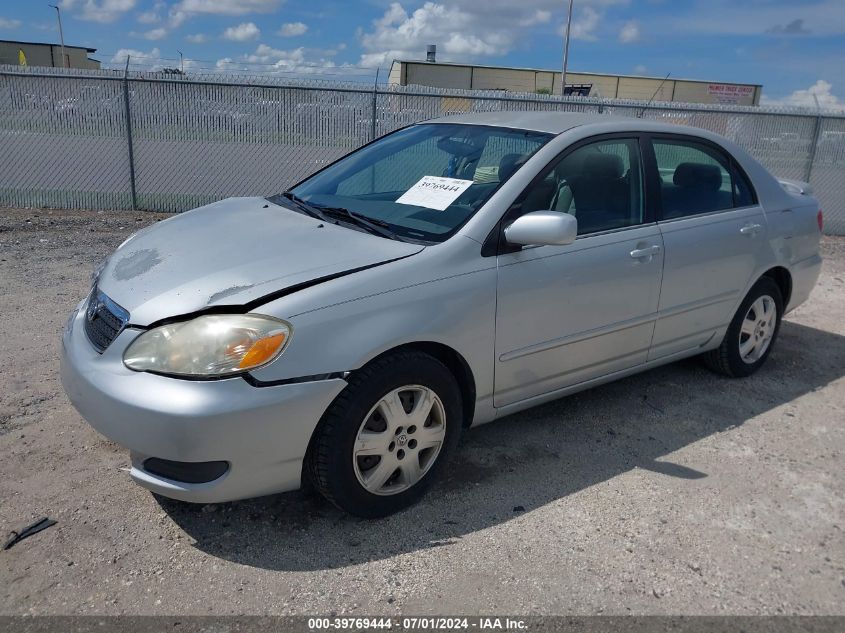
(600, 184)
(696, 178)
(426, 181)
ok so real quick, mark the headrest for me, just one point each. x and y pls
(698, 175)
(603, 166)
(571, 166)
(509, 164)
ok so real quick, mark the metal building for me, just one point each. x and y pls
(476, 77)
(46, 54)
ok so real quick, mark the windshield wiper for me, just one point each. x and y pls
(309, 209)
(378, 227)
(372, 225)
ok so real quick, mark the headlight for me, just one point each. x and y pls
(209, 346)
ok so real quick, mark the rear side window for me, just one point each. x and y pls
(696, 178)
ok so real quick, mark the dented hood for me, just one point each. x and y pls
(231, 253)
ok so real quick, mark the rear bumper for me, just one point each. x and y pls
(805, 274)
(262, 433)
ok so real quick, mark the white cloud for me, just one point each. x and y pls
(149, 17)
(640, 69)
(297, 60)
(242, 32)
(155, 34)
(818, 94)
(457, 33)
(630, 32)
(293, 29)
(584, 25)
(175, 18)
(465, 30)
(227, 64)
(228, 7)
(197, 38)
(539, 16)
(102, 11)
(151, 59)
(7, 23)
(268, 55)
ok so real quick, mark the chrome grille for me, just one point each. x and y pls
(104, 320)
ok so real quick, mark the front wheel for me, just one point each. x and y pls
(384, 439)
(751, 334)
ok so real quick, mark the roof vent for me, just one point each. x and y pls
(431, 53)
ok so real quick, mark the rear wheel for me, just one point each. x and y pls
(751, 334)
(384, 439)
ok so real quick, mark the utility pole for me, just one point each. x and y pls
(566, 51)
(181, 63)
(61, 33)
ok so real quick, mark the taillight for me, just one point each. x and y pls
(820, 219)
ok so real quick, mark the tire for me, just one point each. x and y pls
(363, 434)
(728, 359)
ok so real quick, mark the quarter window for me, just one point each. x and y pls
(600, 184)
(696, 178)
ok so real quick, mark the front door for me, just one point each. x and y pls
(567, 314)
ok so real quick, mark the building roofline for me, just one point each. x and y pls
(84, 48)
(571, 72)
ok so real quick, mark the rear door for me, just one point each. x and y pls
(713, 231)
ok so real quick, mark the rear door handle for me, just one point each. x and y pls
(639, 253)
(750, 229)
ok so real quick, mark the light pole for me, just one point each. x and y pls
(61, 33)
(566, 51)
(181, 63)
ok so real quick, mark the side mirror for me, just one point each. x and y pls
(543, 228)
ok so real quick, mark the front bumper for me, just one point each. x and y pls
(262, 432)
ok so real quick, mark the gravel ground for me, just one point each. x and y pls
(672, 492)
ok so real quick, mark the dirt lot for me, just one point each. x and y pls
(675, 491)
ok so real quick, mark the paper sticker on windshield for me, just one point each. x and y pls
(434, 192)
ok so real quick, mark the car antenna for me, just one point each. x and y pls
(640, 115)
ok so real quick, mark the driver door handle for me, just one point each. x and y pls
(750, 229)
(639, 253)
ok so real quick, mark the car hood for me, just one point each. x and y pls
(233, 253)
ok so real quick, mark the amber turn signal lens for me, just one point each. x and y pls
(262, 351)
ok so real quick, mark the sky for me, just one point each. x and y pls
(795, 48)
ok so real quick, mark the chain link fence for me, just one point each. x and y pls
(114, 140)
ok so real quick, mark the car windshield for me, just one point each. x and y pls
(423, 182)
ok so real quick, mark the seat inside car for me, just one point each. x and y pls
(695, 188)
(509, 163)
(601, 193)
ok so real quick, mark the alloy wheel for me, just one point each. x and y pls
(758, 329)
(399, 440)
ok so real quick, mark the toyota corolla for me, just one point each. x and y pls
(450, 273)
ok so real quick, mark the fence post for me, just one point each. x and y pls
(812, 157)
(129, 135)
(375, 106)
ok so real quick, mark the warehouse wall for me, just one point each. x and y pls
(605, 86)
(438, 76)
(45, 55)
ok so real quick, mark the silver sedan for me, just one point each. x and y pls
(450, 273)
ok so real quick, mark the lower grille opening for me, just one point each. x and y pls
(187, 472)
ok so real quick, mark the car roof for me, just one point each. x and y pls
(556, 122)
